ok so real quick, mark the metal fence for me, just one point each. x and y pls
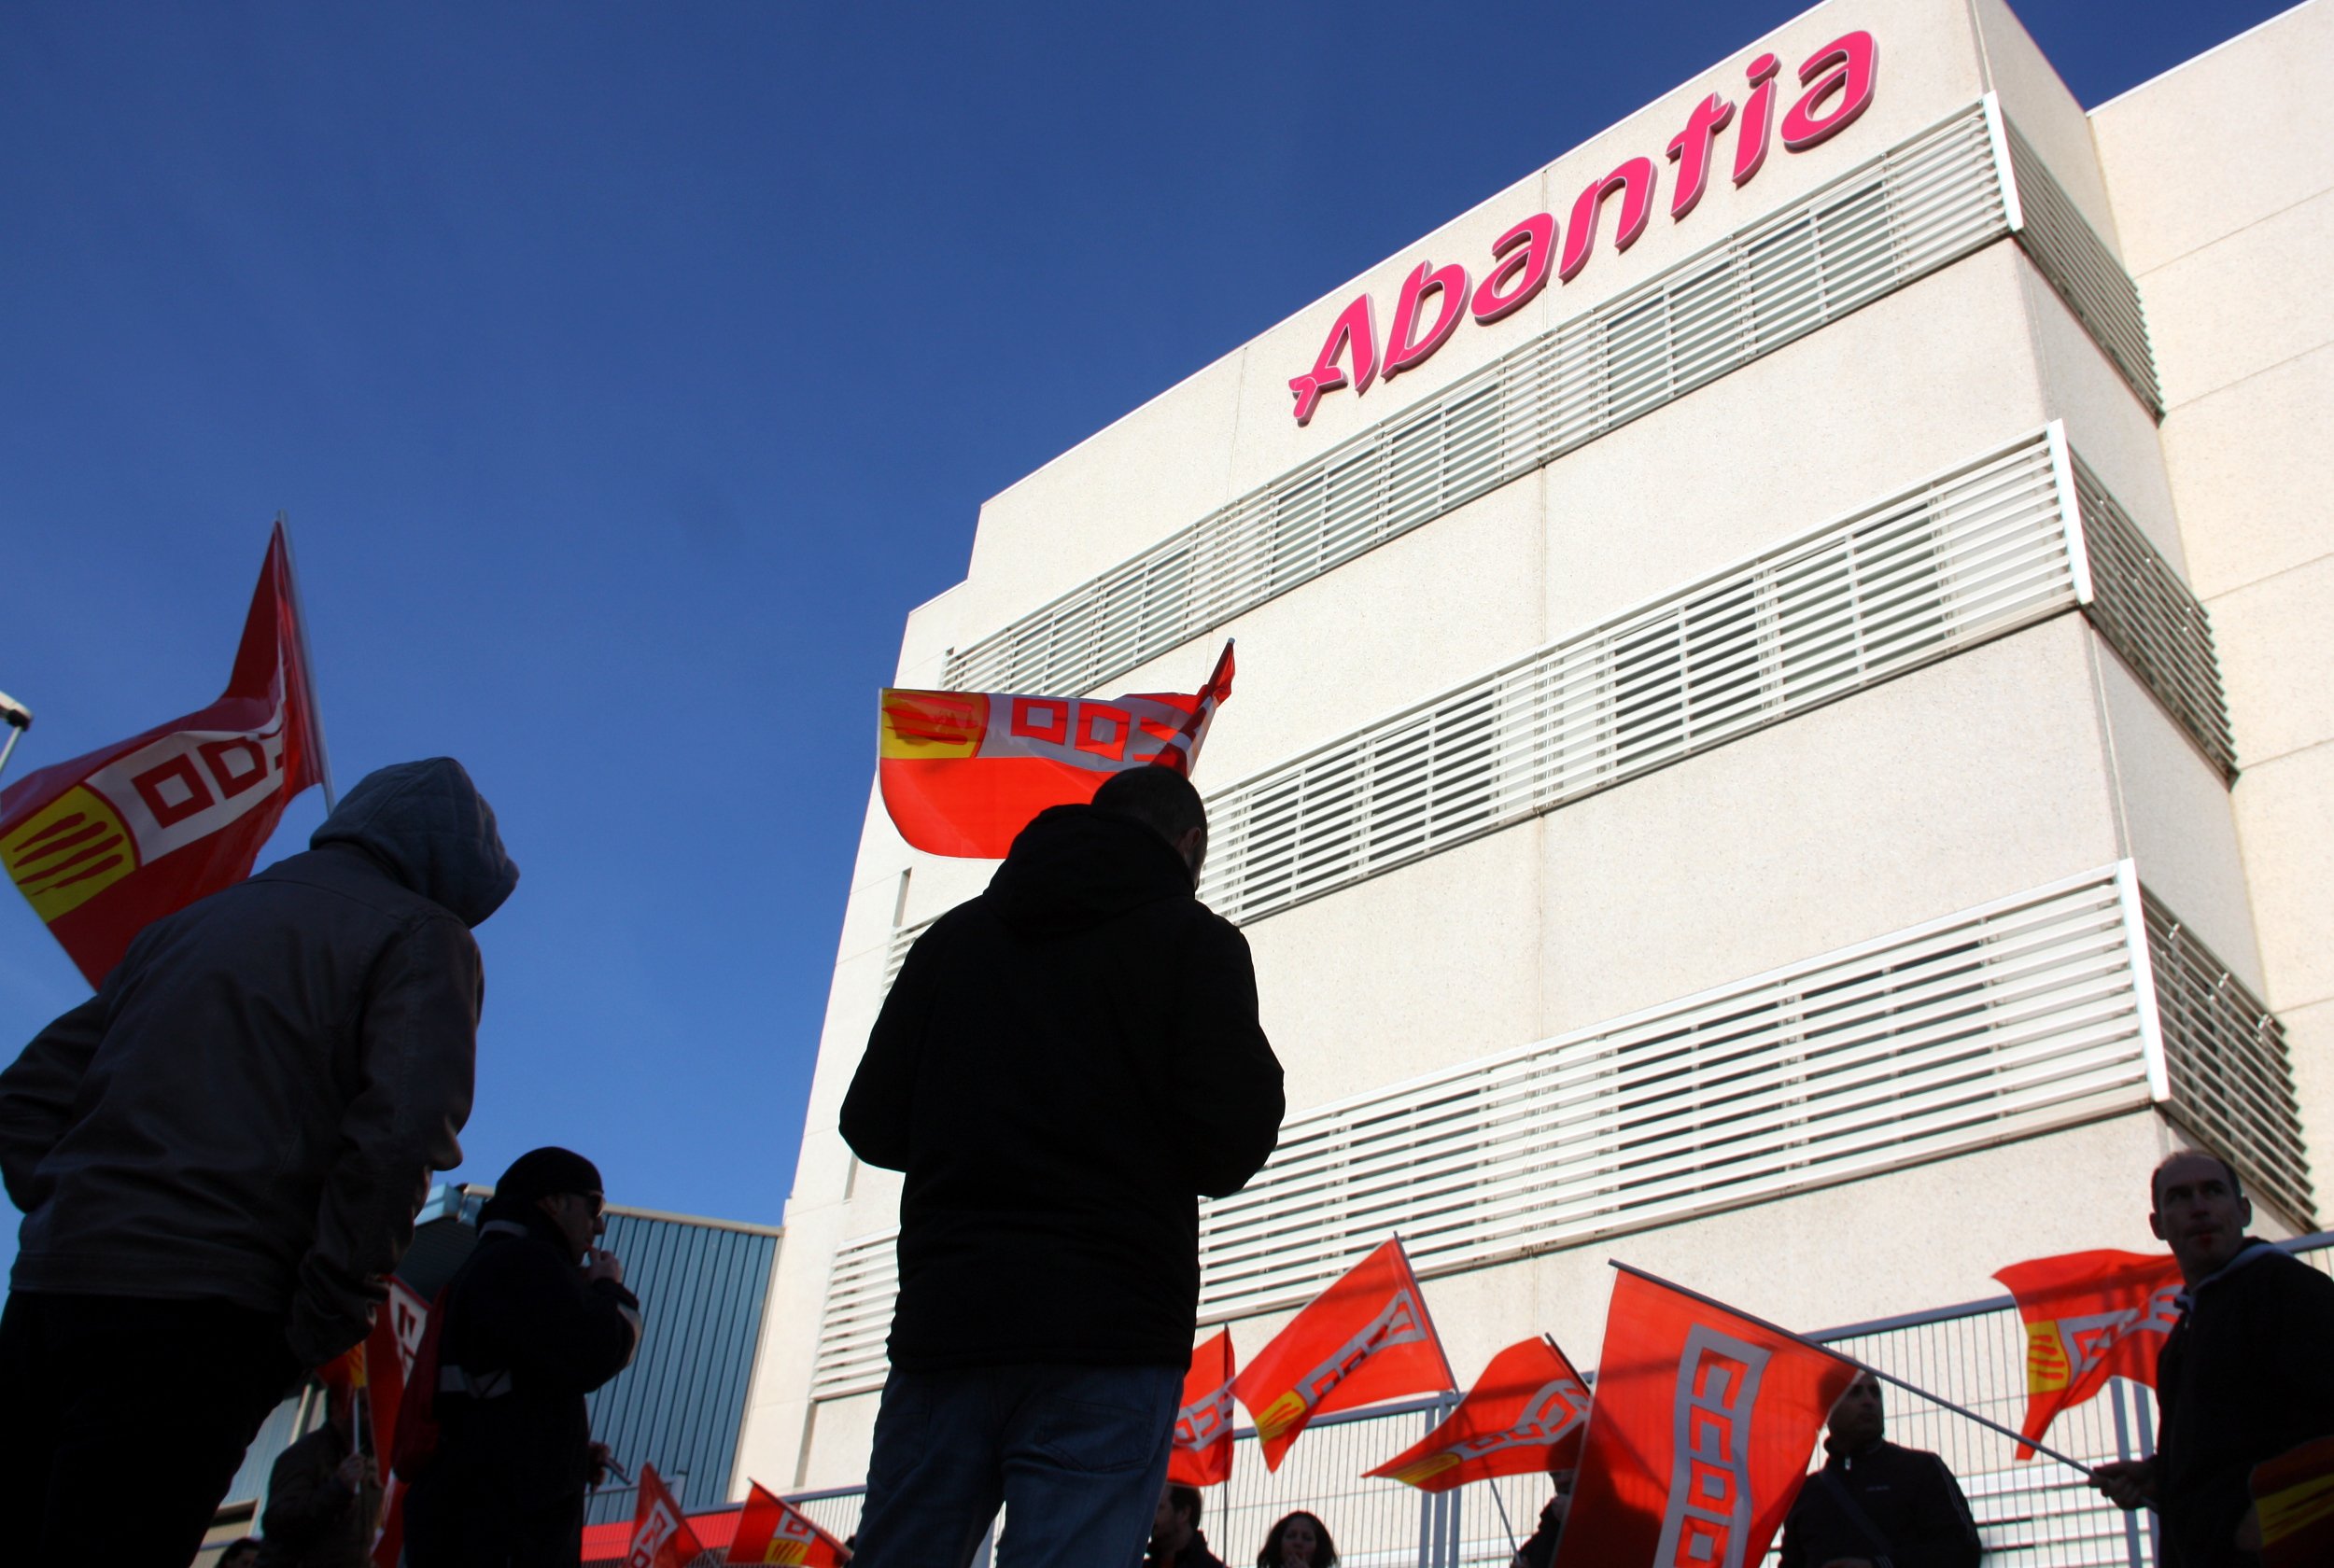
(2036, 1514)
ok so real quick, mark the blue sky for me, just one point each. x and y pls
(630, 371)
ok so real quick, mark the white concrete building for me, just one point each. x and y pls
(1796, 756)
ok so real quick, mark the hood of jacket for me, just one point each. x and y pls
(427, 823)
(1075, 867)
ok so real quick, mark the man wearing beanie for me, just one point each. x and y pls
(535, 1319)
(1065, 1065)
(219, 1156)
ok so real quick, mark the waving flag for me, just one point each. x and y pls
(407, 1317)
(1202, 1449)
(373, 1374)
(1525, 1416)
(963, 772)
(1700, 1433)
(2089, 1316)
(772, 1529)
(1365, 1338)
(2294, 1495)
(107, 844)
(661, 1536)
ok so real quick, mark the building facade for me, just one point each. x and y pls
(1785, 683)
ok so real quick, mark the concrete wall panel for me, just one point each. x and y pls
(2175, 818)
(2222, 141)
(2251, 473)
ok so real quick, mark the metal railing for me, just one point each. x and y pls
(2030, 1514)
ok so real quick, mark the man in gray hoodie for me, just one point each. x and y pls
(219, 1156)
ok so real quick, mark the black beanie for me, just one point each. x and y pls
(541, 1173)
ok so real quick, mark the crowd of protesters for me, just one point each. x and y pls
(219, 1158)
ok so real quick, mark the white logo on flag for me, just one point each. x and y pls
(1396, 1324)
(650, 1535)
(1203, 1421)
(2087, 1339)
(187, 786)
(1557, 1408)
(1708, 1522)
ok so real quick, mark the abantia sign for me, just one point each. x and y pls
(1836, 83)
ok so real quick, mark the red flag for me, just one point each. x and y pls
(408, 1316)
(661, 1536)
(108, 842)
(388, 1542)
(1365, 1338)
(1700, 1433)
(2294, 1497)
(374, 1372)
(963, 772)
(772, 1529)
(1525, 1416)
(1202, 1450)
(2089, 1316)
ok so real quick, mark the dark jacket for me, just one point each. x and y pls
(251, 1107)
(1064, 1065)
(1908, 1495)
(1195, 1554)
(525, 1338)
(2245, 1374)
(314, 1519)
(1539, 1549)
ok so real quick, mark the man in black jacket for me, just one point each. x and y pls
(535, 1319)
(2245, 1374)
(219, 1156)
(1875, 1504)
(1066, 1064)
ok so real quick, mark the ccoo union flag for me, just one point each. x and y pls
(1700, 1433)
(661, 1537)
(772, 1529)
(1365, 1338)
(1525, 1416)
(963, 772)
(1201, 1455)
(2089, 1316)
(107, 844)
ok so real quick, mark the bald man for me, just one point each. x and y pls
(2245, 1374)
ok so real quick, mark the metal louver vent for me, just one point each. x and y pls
(2227, 1074)
(2148, 616)
(1992, 1024)
(858, 1317)
(1916, 208)
(1966, 556)
(2085, 274)
(1996, 1023)
(1992, 546)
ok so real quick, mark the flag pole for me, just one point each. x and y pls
(1505, 1523)
(307, 663)
(1450, 1379)
(19, 719)
(1963, 1411)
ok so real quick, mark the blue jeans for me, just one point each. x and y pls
(1077, 1454)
